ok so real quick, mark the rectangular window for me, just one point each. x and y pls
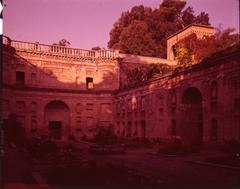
(237, 104)
(20, 78)
(78, 126)
(89, 82)
(89, 106)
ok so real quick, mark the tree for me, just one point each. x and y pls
(105, 135)
(132, 42)
(97, 48)
(144, 31)
(188, 16)
(63, 42)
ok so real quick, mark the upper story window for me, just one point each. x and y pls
(89, 82)
(174, 50)
(20, 78)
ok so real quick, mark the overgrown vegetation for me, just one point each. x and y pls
(63, 43)
(192, 49)
(143, 30)
(146, 72)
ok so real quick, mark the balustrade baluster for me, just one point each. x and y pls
(60, 50)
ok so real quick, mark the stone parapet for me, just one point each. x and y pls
(57, 49)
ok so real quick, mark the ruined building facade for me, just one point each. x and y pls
(58, 91)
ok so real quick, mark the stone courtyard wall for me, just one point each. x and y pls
(160, 102)
(154, 109)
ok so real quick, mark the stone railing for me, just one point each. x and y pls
(58, 50)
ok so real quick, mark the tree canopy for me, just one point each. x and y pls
(143, 30)
(63, 42)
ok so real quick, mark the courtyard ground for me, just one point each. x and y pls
(21, 171)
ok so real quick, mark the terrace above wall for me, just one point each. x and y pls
(57, 50)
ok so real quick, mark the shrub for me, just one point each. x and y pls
(105, 135)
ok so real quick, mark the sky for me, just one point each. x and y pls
(87, 23)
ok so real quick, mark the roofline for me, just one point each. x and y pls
(194, 24)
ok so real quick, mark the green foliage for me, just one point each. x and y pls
(132, 42)
(143, 31)
(201, 48)
(184, 57)
(146, 72)
(63, 42)
(97, 48)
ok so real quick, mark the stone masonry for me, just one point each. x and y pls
(60, 91)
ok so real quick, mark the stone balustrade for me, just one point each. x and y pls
(58, 50)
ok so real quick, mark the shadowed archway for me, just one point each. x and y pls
(57, 119)
(191, 117)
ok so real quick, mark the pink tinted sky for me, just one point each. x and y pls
(86, 23)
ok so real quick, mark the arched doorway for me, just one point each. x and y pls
(57, 118)
(191, 116)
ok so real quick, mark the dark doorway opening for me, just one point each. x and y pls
(20, 78)
(192, 117)
(55, 128)
(89, 82)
